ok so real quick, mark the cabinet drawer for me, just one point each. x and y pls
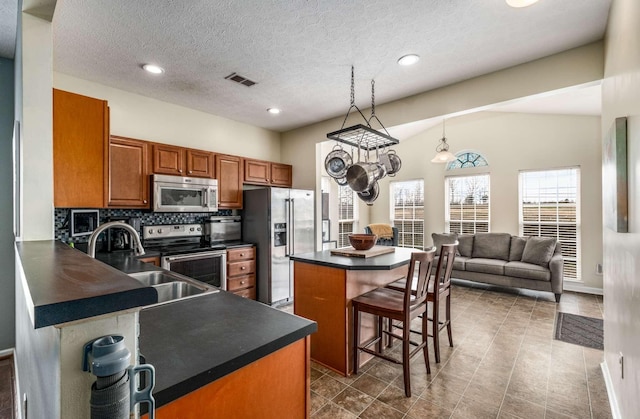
(241, 282)
(242, 253)
(241, 268)
(247, 293)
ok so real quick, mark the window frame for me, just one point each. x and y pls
(578, 223)
(343, 236)
(398, 222)
(447, 198)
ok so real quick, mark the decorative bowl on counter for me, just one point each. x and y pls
(362, 241)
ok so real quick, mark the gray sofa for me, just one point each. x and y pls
(502, 259)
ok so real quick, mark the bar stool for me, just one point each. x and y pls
(443, 274)
(401, 307)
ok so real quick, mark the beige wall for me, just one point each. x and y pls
(621, 97)
(144, 118)
(570, 68)
(510, 142)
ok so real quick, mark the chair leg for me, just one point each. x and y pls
(435, 328)
(449, 319)
(356, 339)
(425, 350)
(406, 335)
(390, 329)
(380, 334)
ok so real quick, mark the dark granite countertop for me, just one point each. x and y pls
(65, 284)
(196, 341)
(401, 256)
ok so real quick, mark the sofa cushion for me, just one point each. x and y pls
(491, 245)
(487, 266)
(465, 245)
(539, 250)
(527, 271)
(459, 263)
(517, 247)
(440, 239)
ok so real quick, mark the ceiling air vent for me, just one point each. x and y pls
(239, 79)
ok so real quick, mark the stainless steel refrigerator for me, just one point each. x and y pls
(280, 222)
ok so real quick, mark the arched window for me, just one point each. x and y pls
(467, 159)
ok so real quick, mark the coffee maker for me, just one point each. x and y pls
(118, 239)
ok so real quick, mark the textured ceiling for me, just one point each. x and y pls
(300, 51)
(8, 24)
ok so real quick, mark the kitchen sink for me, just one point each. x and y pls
(170, 291)
(172, 286)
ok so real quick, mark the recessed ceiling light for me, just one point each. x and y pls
(152, 68)
(409, 59)
(274, 111)
(521, 3)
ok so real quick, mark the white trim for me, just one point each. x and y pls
(613, 402)
(7, 352)
(578, 286)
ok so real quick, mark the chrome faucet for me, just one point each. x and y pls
(91, 248)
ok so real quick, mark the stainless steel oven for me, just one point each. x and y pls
(182, 249)
(207, 266)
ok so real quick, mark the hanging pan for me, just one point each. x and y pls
(337, 162)
(370, 194)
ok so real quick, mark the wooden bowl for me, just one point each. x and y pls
(362, 241)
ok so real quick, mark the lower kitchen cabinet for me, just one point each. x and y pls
(273, 387)
(241, 271)
(154, 260)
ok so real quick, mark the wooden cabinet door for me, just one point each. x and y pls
(128, 173)
(257, 171)
(200, 163)
(229, 175)
(168, 160)
(80, 130)
(281, 174)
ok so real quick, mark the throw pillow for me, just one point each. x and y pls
(440, 239)
(539, 250)
(517, 247)
(492, 245)
(465, 245)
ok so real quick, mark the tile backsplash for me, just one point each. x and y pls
(61, 219)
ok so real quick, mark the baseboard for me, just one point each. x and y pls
(613, 402)
(579, 287)
(7, 352)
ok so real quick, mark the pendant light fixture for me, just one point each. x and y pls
(443, 155)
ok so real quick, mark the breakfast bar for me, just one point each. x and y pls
(325, 284)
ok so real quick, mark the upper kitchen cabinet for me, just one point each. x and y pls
(128, 173)
(200, 163)
(80, 130)
(261, 172)
(180, 161)
(281, 174)
(229, 175)
(168, 160)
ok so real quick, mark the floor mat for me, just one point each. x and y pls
(580, 330)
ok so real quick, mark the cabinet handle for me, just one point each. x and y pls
(241, 254)
(179, 170)
(241, 282)
(144, 202)
(190, 171)
(243, 268)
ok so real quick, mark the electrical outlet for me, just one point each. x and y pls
(598, 268)
(621, 361)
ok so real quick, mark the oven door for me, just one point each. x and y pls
(207, 267)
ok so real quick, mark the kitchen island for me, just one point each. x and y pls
(325, 284)
(216, 354)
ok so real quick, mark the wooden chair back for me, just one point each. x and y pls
(445, 265)
(418, 277)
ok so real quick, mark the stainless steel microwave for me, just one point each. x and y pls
(184, 194)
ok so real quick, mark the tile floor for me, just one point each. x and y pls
(505, 364)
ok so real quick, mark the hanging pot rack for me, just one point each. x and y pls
(363, 136)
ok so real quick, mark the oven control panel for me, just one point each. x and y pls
(172, 230)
